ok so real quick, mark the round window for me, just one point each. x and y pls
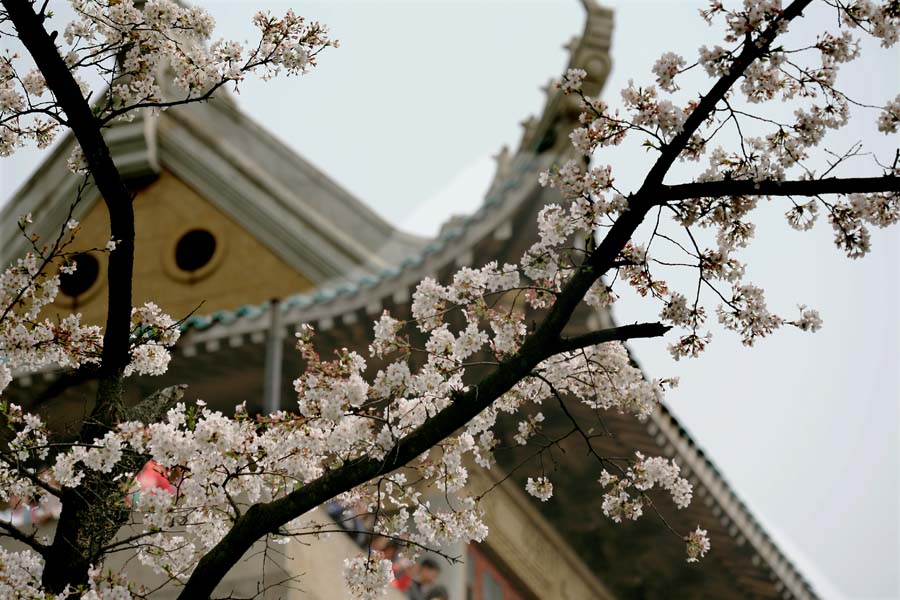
(194, 250)
(86, 271)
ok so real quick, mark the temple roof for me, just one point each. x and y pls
(302, 215)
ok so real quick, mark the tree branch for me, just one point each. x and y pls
(747, 187)
(153, 407)
(12, 532)
(613, 334)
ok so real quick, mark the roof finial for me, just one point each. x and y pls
(504, 163)
(590, 52)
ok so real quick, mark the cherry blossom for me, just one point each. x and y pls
(666, 68)
(889, 119)
(145, 43)
(540, 488)
(697, 544)
(366, 404)
(368, 576)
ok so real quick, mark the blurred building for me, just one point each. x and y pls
(250, 240)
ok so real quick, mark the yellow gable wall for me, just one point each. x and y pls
(242, 270)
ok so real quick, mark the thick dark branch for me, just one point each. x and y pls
(753, 50)
(813, 187)
(11, 531)
(646, 197)
(613, 334)
(154, 407)
(111, 115)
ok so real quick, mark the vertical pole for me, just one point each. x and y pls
(272, 383)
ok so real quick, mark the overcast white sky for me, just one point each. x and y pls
(406, 115)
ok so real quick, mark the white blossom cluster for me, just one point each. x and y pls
(153, 332)
(17, 96)
(368, 576)
(20, 578)
(147, 44)
(666, 68)
(528, 428)
(809, 319)
(649, 112)
(28, 342)
(697, 544)
(879, 19)
(747, 314)
(20, 574)
(541, 488)
(626, 493)
(805, 76)
(889, 120)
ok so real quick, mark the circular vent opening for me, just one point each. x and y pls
(86, 271)
(194, 250)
